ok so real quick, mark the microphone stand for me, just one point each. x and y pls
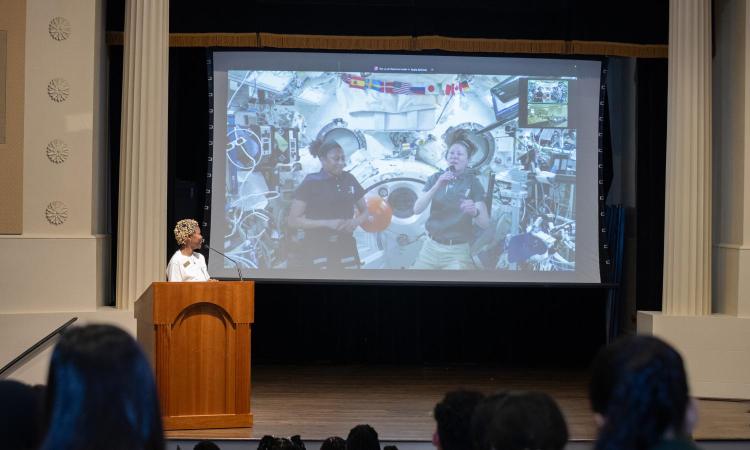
(236, 264)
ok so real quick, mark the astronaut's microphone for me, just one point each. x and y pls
(236, 264)
(452, 170)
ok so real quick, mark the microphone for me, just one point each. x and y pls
(452, 170)
(236, 264)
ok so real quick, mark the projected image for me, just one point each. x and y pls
(547, 103)
(548, 115)
(355, 170)
(548, 91)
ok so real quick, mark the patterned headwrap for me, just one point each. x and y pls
(183, 230)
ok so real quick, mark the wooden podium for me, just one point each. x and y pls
(197, 336)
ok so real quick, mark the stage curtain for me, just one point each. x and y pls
(408, 43)
(326, 42)
(651, 143)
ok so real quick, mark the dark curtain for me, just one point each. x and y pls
(533, 327)
(636, 21)
(651, 144)
(113, 123)
(188, 138)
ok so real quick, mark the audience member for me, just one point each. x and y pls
(362, 437)
(527, 420)
(639, 394)
(269, 442)
(297, 441)
(333, 443)
(101, 393)
(453, 416)
(206, 445)
(482, 419)
(21, 417)
(266, 442)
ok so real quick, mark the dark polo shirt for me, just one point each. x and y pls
(447, 221)
(329, 197)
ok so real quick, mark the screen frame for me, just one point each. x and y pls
(603, 253)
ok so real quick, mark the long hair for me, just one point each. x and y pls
(101, 393)
(639, 385)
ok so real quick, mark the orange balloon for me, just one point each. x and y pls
(380, 214)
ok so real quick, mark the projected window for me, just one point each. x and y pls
(547, 103)
(394, 168)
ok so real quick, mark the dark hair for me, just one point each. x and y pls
(266, 442)
(453, 417)
(362, 437)
(101, 393)
(320, 149)
(527, 420)
(21, 417)
(639, 385)
(283, 444)
(462, 137)
(297, 441)
(206, 445)
(333, 443)
(269, 442)
(482, 419)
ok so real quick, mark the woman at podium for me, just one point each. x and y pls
(187, 264)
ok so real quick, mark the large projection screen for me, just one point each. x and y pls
(436, 169)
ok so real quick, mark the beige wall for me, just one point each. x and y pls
(61, 267)
(716, 347)
(72, 120)
(731, 268)
(27, 329)
(13, 22)
(3, 72)
(716, 350)
(728, 119)
(49, 273)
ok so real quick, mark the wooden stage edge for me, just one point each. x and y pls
(321, 401)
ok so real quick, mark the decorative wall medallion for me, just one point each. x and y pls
(58, 90)
(59, 28)
(58, 151)
(56, 212)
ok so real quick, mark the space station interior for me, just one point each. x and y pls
(393, 128)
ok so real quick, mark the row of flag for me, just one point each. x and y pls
(398, 87)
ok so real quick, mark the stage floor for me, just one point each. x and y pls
(321, 401)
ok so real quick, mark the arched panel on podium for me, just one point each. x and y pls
(197, 336)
